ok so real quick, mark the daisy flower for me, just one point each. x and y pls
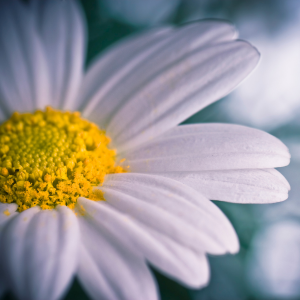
(99, 196)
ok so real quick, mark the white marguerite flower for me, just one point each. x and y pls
(138, 91)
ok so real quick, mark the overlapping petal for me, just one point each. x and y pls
(172, 209)
(179, 90)
(202, 147)
(111, 68)
(238, 186)
(194, 65)
(24, 84)
(64, 45)
(109, 270)
(39, 252)
(138, 90)
(104, 90)
(179, 262)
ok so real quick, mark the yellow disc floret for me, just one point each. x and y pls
(52, 157)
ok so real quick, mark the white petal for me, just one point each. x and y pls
(107, 70)
(168, 256)
(62, 31)
(24, 84)
(7, 211)
(91, 277)
(239, 186)
(125, 67)
(109, 271)
(39, 252)
(188, 260)
(209, 147)
(173, 209)
(179, 90)
(11, 246)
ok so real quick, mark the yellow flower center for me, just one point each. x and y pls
(52, 157)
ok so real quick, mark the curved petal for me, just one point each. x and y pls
(168, 256)
(110, 68)
(121, 70)
(178, 90)
(39, 252)
(11, 246)
(24, 82)
(108, 270)
(196, 261)
(173, 209)
(143, 73)
(238, 186)
(209, 147)
(61, 28)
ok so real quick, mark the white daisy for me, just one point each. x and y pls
(138, 91)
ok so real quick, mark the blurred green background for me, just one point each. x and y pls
(269, 100)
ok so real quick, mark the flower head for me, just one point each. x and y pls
(51, 158)
(158, 211)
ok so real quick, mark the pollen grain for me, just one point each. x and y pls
(51, 157)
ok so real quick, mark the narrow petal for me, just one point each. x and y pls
(12, 242)
(175, 260)
(39, 252)
(24, 82)
(91, 277)
(173, 209)
(108, 270)
(179, 90)
(62, 31)
(196, 262)
(238, 186)
(126, 66)
(107, 70)
(209, 147)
